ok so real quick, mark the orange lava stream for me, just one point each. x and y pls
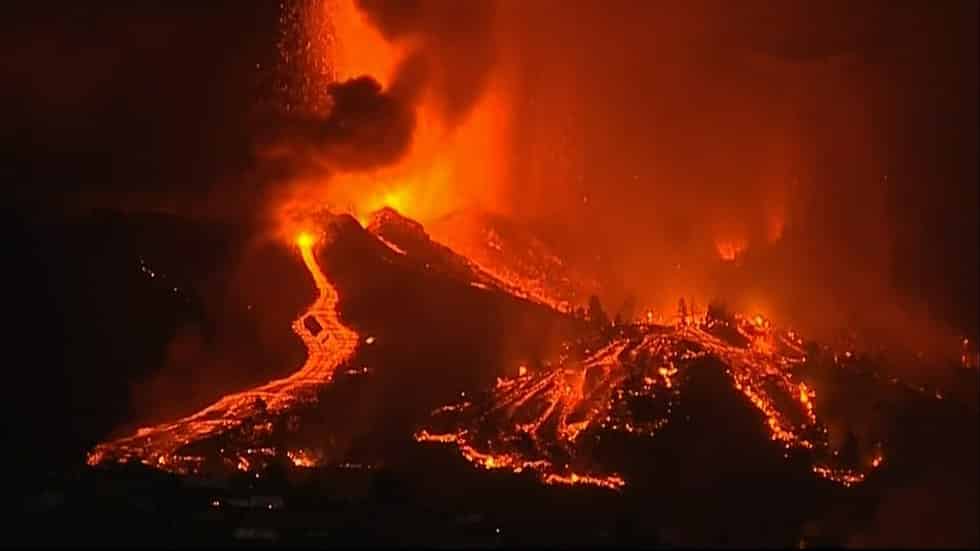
(564, 394)
(536, 420)
(157, 445)
(522, 286)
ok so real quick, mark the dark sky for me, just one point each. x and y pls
(147, 103)
(156, 105)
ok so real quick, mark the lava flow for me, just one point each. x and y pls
(328, 348)
(551, 421)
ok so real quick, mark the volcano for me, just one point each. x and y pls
(393, 262)
(423, 366)
(489, 273)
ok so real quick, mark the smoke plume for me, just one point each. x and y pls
(454, 38)
(827, 142)
(763, 156)
(442, 51)
(366, 126)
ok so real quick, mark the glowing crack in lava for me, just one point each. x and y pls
(550, 421)
(329, 348)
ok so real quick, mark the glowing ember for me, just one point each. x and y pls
(730, 250)
(330, 348)
(610, 482)
(845, 477)
(303, 458)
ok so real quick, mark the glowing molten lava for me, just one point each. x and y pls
(160, 446)
(304, 241)
(549, 421)
(730, 249)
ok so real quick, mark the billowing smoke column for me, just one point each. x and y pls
(454, 38)
(655, 137)
(444, 53)
(366, 126)
(708, 150)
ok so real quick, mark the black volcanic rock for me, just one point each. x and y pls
(435, 333)
(407, 233)
(312, 325)
(411, 238)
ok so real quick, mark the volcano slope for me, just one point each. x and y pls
(693, 420)
(715, 432)
(416, 286)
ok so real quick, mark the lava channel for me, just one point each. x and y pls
(327, 349)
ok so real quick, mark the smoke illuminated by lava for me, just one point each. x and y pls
(590, 139)
(456, 156)
(653, 153)
(433, 112)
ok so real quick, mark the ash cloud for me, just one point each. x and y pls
(449, 55)
(455, 39)
(366, 126)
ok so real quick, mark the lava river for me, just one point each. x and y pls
(328, 349)
(548, 421)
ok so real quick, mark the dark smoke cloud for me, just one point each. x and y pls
(454, 38)
(366, 127)
(449, 52)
